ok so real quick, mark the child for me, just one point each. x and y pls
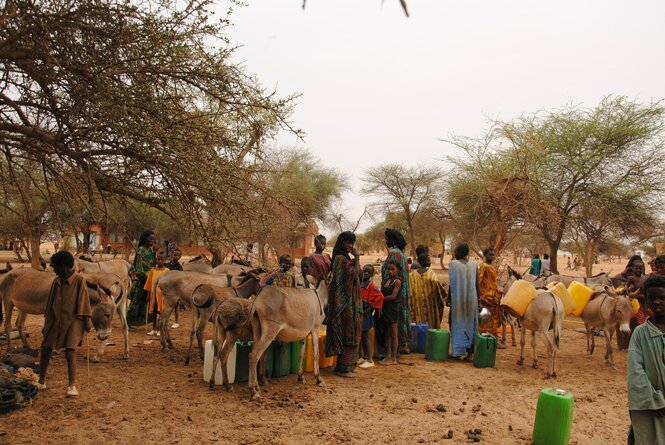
(68, 315)
(646, 370)
(281, 277)
(391, 308)
(372, 299)
(305, 279)
(156, 299)
(174, 264)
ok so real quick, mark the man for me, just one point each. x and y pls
(490, 296)
(320, 266)
(67, 318)
(428, 297)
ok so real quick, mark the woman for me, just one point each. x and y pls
(463, 302)
(535, 265)
(345, 308)
(143, 262)
(490, 297)
(396, 244)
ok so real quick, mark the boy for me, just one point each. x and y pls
(68, 315)
(156, 300)
(646, 370)
(174, 264)
(320, 261)
(305, 279)
(281, 277)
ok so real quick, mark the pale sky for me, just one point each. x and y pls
(379, 87)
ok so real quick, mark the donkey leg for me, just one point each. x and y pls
(512, 330)
(258, 350)
(203, 320)
(20, 325)
(533, 346)
(315, 347)
(550, 346)
(609, 362)
(122, 315)
(229, 343)
(520, 361)
(9, 307)
(192, 333)
(301, 364)
(164, 338)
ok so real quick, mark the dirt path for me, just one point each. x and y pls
(153, 398)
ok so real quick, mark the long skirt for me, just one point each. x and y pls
(139, 302)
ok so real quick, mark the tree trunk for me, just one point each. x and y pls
(554, 248)
(33, 243)
(587, 256)
(442, 239)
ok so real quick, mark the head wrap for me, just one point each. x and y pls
(395, 239)
(339, 244)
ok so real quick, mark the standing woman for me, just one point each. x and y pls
(143, 262)
(535, 265)
(463, 302)
(396, 244)
(490, 296)
(345, 307)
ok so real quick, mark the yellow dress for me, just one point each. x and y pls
(490, 297)
(428, 298)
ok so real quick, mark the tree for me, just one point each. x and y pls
(403, 189)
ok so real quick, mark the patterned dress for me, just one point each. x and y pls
(490, 297)
(428, 298)
(404, 324)
(345, 314)
(143, 262)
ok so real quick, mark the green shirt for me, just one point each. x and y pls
(646, 368)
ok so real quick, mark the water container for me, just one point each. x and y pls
(509, 329)
(324, 362)
(559, 289)
(518, 297)
(422, 337)
(484, 351)
(636, 307)
(413, 340)
(281, 353)
(296, 347)
(581, 295)
(554, 417)
(437, 344)
(309, 354)
(242, 361)
(208, 360)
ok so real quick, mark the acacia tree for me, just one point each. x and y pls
(403, 189)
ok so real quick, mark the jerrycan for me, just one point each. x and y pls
(559, 289)
(636, 307)
(242, 361)
(324, 362)
(208, 360)
(270, 357)
(554, 417)
(421, 330)
(581, 294)
(484, 351)
(281, 353)
(518, 297)
(437, 345)
(413, 340)
(309, 354)
(296, 347)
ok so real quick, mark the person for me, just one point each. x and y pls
(652, 266)
(545, 269)
(576, 264)
(396, 244)
(622, 277)
(156, 305)
(659, 264)
(490, 296)
(320, 261)
(144, 260)
(646, 370)
(420, 250)
(345, 310)
(634, 289)
(391, 289)
(463, 302)
(174, 264)
(427, 296)
(568, 265)
(66, 319)
(305, 280)
(283, 276)
(108, 248)
(535, 265)
(372, 302)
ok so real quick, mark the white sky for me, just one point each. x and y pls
(378, 87)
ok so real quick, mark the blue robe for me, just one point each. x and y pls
(463, 305)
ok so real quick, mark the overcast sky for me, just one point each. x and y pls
(378, 87)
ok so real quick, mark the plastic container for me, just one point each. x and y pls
(559, 289)
(518, 297)
(270, 357)
(509, 329)
(242, 361)
(296, 347)
(413, 340)
(636, 307)
(437, 345)
(281, 353)
(484, 351)
(324, 362)
(208, 360)
(554, 417)
(581, 295)
(421, 330)
(309, 354)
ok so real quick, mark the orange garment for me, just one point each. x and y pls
(372, 296)
(490, 297)
(153, 274)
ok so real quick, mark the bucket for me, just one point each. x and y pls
(421, 330)
(413, 340)
(581, 294)
(559, 289)
(437, 345)
(281, 353)
(242, 361)
(554, 417)
(518, 297)
(484, 351)
(296, 347)
(208, 360)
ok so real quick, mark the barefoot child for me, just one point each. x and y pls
(67, 317)
(155, 298)
(372, 300)
(391, 308)
(646, 370)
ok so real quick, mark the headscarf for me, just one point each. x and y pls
(395, 239)
(339, 244)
